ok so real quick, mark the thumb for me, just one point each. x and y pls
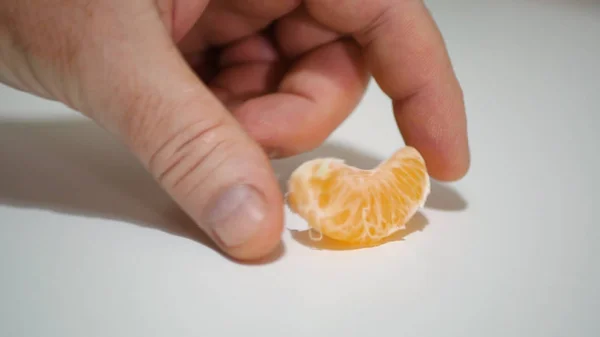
(185, 137)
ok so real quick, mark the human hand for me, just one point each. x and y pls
(200, 90)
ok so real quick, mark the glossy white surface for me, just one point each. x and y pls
(89, 246)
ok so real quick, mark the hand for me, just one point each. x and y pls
(200, 90)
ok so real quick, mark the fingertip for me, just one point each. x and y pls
(264, 244)
(446, 160)
(249, 220)
(433, 120)
(267, 238)
(449, 172)
(252, 49)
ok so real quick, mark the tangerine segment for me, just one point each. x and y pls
(359, 206)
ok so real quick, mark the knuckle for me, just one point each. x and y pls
(184, 159)
(373, 25)
(267, 9)
(348, 16)
(141, 117)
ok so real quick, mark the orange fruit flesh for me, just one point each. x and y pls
(359, 206)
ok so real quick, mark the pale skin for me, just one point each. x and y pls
(204, 92)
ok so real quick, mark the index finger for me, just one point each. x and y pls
(407, 56)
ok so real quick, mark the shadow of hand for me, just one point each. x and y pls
(75, 167)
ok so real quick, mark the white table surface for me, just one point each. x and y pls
(89, 245)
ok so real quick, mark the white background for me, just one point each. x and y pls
(90, 246)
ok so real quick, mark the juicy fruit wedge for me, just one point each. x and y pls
(358, 206)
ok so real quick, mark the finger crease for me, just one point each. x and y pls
(368, 34)
(221, 147)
